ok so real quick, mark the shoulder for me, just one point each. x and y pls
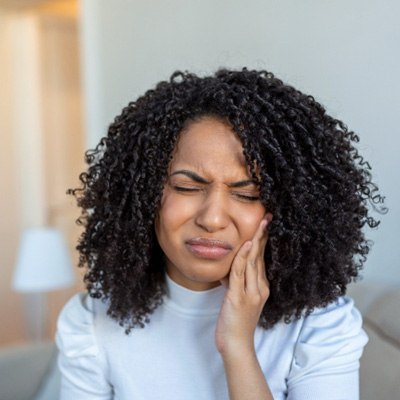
(338, 318)
(330, 338)
(82, 358)
(79, 324)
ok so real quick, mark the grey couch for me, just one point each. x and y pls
(380, 363)
(30, 372)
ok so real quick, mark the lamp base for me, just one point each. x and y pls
(35, 308)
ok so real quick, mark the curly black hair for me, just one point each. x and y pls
(312, 179)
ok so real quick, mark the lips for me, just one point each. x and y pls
(208, 248)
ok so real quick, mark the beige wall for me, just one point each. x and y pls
(10, 302)
(41, 133)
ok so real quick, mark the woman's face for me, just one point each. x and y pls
(209, 207)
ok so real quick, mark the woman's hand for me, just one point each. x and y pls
(247, 292)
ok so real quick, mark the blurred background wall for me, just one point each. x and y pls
(68, 67)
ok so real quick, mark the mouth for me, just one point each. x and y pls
(211, 249)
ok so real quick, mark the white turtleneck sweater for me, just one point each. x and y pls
(174, 357)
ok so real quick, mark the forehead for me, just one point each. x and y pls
(209, 142)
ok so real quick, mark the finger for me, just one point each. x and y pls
(251, 276)
(261, 264)
(263, 280)
(255, 273)
(237, 273)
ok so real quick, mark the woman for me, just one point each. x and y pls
(223, 221)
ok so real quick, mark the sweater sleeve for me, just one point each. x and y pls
(326, 358)
(81, 362)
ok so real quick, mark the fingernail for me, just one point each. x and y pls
(248, 245)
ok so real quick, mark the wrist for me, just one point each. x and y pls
(238, 352)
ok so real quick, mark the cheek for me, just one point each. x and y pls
(250, 222)
(174, 211)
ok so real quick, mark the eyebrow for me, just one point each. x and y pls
(199, 179)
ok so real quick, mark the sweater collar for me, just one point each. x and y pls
(205, 302)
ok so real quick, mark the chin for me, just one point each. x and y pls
(208, 276)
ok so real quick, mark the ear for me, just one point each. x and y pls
(269, 217)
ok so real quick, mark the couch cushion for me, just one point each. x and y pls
(51, 384)
(384, 315)
(380, 364)
(380, 368)
(22, 369)
(366, 293)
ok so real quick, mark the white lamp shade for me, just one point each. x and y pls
(43, 262)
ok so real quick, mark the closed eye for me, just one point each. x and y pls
(184, 189)
(246, 197)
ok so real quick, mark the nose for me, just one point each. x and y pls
(213, 214)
